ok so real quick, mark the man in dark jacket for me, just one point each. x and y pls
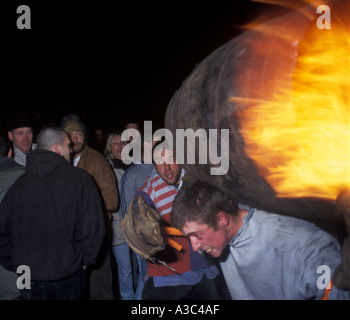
(10, 170)
(51, 221)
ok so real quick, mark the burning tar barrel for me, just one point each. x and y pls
(281, 88)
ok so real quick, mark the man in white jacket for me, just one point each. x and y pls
(262, 255)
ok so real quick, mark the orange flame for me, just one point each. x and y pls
(300, 140)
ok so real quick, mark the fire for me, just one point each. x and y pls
(300, 138)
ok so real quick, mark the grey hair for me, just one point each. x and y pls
(48, 137)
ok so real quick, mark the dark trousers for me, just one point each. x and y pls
(99, 280)
(203, 290)
(70, 288)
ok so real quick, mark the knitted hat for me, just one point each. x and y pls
(19, 120)
(72, 122)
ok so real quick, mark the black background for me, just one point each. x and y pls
(109, 60)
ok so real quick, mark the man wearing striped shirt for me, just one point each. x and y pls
(188, 275)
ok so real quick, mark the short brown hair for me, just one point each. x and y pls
(201, 202)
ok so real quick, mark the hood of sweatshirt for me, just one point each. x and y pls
(42, 163)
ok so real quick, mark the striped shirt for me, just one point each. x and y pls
(161, 193)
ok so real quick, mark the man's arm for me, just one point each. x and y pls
(5, 232)
(108, 186)
(90, 223)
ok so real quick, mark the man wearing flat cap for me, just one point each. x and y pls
(100, 281)
(20, 133)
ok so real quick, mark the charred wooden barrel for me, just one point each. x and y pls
(240, 68)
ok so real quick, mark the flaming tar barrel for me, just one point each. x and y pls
(248, 69)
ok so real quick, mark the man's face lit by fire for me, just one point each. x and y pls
(207, 239)
(166, 166)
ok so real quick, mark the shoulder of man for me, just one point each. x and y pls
(292, 227)
(90, 153)
(152, 181)
(95, 163)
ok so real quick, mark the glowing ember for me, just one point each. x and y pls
(300, 140)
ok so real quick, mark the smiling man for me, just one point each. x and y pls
(262, 255)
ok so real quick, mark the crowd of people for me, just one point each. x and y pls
(62, 206)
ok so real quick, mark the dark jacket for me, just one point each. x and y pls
(10, 170)
(51, 219)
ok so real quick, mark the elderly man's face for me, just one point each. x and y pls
(166, 166)
(22, 138)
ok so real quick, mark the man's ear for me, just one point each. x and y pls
(57, 148)
(10, 135)
(222, 219)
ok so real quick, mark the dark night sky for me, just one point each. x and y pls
(110, 59)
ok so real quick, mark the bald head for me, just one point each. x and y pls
(48, 137)
(56, 140)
